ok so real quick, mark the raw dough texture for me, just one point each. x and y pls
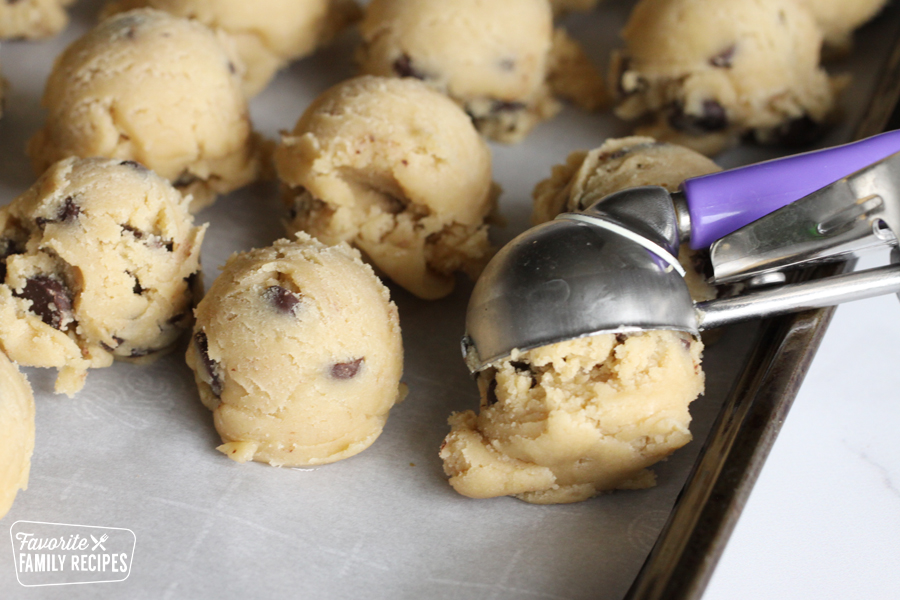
(493, 58)
(98, 260)
(268, 34)
(157, 89)
(398, 170)
(838, 19)
(16, 432)
(32, 19)
(704, 72)
(625, 163)
(564, 422)
(297, 352)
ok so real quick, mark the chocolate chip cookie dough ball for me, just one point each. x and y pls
(156, 89)
(97, 260)
(493, 58)
(16, 432)
(397, 170)
(32, 19)
(703, 72)
(625, 163)
(564, 422)
(297, 352)
(839, 18)
(268, 34)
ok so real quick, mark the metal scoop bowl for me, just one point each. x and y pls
(612, 269)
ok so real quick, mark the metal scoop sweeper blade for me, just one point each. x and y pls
(613, 268)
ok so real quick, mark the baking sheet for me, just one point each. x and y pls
(135, 448)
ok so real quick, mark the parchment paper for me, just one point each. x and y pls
(136, 449)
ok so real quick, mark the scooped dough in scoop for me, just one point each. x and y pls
(567, 421)
(618, 164)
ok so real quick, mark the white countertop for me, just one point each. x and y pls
(823, 520)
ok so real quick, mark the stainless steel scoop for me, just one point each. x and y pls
(612, 268)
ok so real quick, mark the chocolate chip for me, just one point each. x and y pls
(283, 300)
(491, 395)
(137, 233)
(195, 284)
(139, 352)
(499, 106)
(231, 68)
(185, 179)
(130, 32)
(800, 131)
(403, 67)
(723, 59)
(138, 288)
(50, 299)
(620, 338)
(177, 318)
(118, 341)
(686, 343)
(623, 67)
(346, 370)
(211, 366)
(7, 248)
(519, 365)
(507, 64)
(133, 164)
(713, 118)
(67, 213)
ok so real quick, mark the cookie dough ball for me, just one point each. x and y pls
(157, 89)
(97, 260)
(16, 432)
(839, 18)
(297, 352)
(32, 19)
(397, 170)
(268, 34)
(493, 58)
(564, 422)
(625, 163)
(703, 72)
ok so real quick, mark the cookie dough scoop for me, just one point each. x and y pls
(612, 268)
(157, 89)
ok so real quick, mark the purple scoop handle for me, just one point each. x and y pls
(724, 202)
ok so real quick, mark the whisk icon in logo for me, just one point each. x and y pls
(62, 554)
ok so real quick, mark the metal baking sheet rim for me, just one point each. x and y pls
(690, 544)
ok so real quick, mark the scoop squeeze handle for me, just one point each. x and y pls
(724, 202)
